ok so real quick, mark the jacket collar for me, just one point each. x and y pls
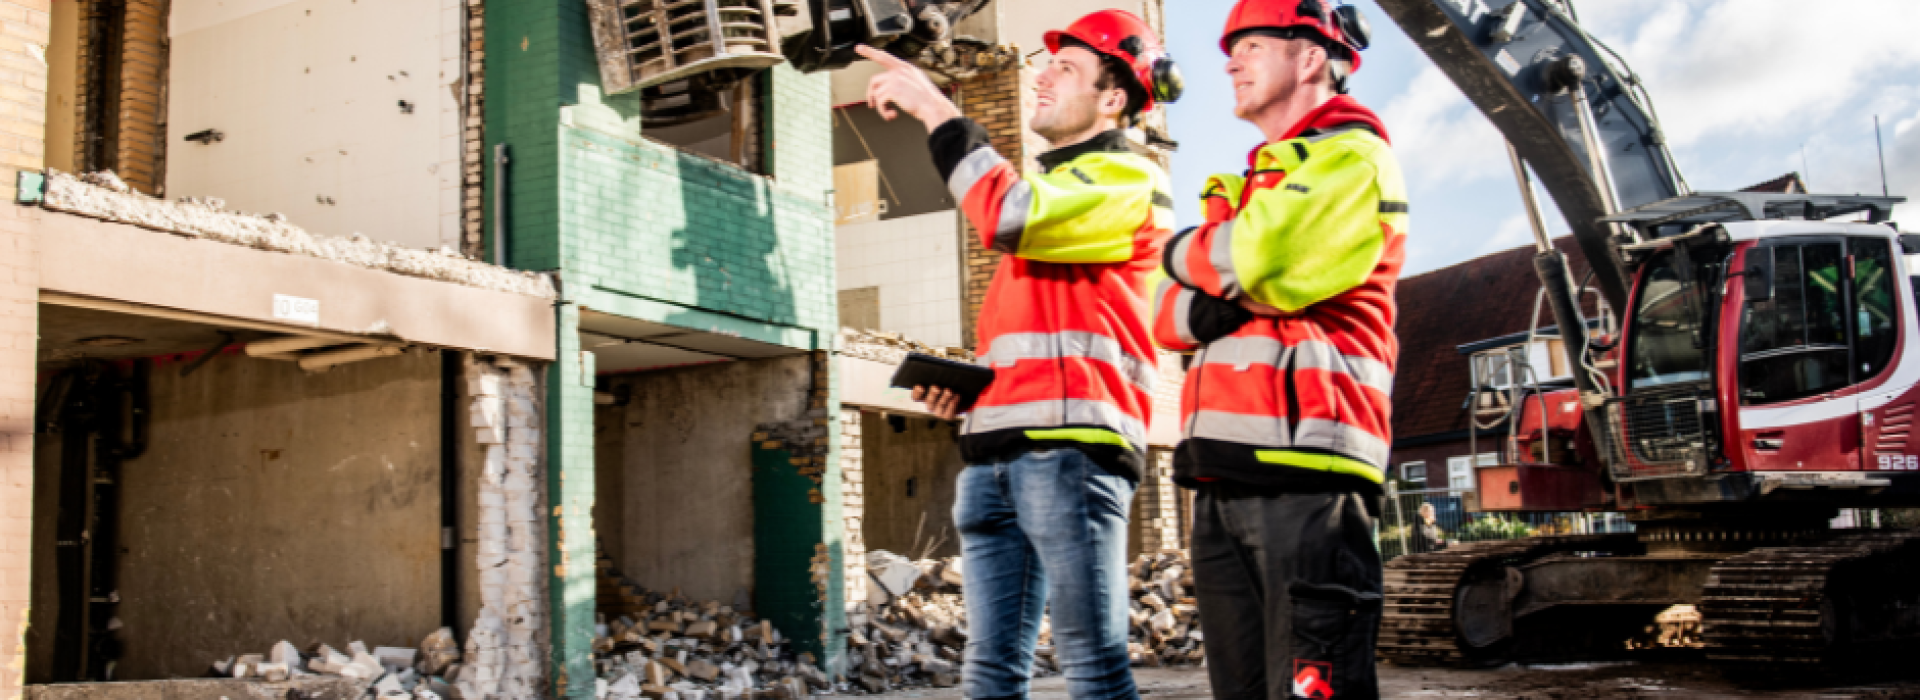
(1341, 112)
(1110, 141)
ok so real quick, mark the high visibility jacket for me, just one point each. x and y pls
(1317, 229)
(1064, 323)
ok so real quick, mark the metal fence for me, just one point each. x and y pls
(1400, 531)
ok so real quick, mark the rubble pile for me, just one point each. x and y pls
(670, 648)
(1165, 619)
(431, 671)
(916, 632)
(103, 195)
(911, 632)
(892, 348)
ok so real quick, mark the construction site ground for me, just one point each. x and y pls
(1543, 682)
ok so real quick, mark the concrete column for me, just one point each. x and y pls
(19, 325)
(23, 91)
(570, 515)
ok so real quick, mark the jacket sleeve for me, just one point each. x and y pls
(1070, 216)
(1313, 237)
(1184, 318)
(1220, 196)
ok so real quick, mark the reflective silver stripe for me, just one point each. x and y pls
(1183, 315)
(1339, 437)
(1053, 413)
(1177, 269)
(1370, 372)
(1182, 309)
(1013, 347)
(1268, 431)
(1243, 428)
(1367, 371)
(1222, 258)
(1013, 217)
(975, 166)
(1245, 351)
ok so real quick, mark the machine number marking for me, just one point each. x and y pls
(297, 309)
(1900, 462)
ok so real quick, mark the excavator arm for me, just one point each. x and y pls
(1529, 67)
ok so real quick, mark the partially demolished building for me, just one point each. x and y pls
(340, 322)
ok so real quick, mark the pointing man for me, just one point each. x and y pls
(1055, 446)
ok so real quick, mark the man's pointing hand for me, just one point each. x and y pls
(904, 86)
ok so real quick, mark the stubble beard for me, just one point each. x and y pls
(1066, 120)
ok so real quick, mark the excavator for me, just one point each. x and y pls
(1760, 377)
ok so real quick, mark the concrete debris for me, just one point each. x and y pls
(664, 646)
(103, 195)
(1164, 620)
(391, 672)
(1677, 627)
(916, 631)
(892, 348)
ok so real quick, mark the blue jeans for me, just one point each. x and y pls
(1047, 524)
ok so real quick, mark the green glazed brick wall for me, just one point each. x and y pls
(642, 230)
(620, 215)
(645, 220)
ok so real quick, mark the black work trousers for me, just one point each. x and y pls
(1289, 586)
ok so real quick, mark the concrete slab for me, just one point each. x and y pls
(204, 689)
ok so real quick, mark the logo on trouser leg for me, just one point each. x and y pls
(1312, 679)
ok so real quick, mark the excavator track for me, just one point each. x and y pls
(1811, 605)
(1418, 625)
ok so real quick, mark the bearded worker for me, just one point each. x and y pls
(1055, 445)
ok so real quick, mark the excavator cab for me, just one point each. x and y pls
(1779, 386)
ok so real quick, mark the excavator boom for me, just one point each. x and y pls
(1525, 64)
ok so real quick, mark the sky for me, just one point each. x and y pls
(1748, 90)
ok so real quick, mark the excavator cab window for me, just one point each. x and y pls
(1665, 324)
(1795, 344)
(1876, 321)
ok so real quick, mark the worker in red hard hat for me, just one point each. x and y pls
(1057, 442)
(1285, 300)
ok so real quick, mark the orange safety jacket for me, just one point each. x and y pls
(1317, 229)
(1064, 323)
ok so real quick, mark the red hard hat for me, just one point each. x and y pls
(1121, 35)
(1317, 16)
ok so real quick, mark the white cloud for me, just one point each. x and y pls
(1512, 233)
(1439, 136)
(1752, 67)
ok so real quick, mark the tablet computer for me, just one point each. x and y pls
(967, 380)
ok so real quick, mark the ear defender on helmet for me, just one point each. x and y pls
(1168, 85)
(1353, 26)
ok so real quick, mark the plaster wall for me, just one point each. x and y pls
(270, 504)
(683, 513)
(308, 95)
(926, 454)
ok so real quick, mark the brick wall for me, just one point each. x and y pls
(140, 153)
(995, 100)
(23, 90)
(472, 162)
(1157, 524)
(853, 509)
